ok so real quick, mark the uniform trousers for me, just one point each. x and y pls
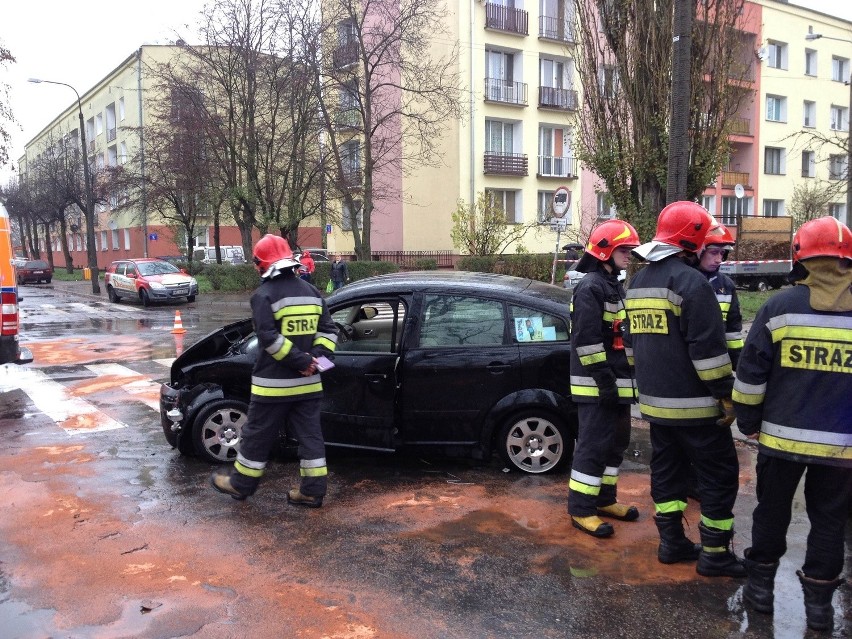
(827, 495)
(602, 438)
(261, 433)
(710, 450)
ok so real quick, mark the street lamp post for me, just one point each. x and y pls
(91, 253)
(817, 36)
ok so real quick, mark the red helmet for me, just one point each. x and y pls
(719, 234)
(824, 237)
(271, 249)
(609, 236)
(684, 225)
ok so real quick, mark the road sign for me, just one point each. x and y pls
(561, 222)
(561, 201)
(328, 229)
(152, 237)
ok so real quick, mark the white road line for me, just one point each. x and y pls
(73, 414)
(138, 384)
(167, 361)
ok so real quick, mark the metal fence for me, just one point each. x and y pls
(409, 259)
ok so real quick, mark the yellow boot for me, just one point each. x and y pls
(619, 511)
(593, 526)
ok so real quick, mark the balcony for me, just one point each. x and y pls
(555, 28)
(561, 167)
(553, 98)
(739, 126)
(345, 55)
(731, 178)
(347, 119)
(506, 19)
(505, 163)
(499, 90)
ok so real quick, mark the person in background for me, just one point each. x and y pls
(339, 272)
(293, 328)
(601, 380)
(306, 272)
(717, 245)
(685, 380)
(793, 394)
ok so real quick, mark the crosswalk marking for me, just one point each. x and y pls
(141, 387)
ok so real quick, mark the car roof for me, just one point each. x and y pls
(459, 282)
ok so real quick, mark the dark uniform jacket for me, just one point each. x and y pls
(678, 340)
(598, 355)
(794, 381)
(726, 295)
(292, 325)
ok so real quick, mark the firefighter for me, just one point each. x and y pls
(601, 380)
(684, 379)
(293, 328)
(717, 246)
(793, 394)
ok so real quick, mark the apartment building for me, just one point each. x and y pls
(114, 115)
(804, 94)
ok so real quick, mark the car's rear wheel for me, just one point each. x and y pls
(535, 441)
(113, 297)
(143, 295)
(217, 430)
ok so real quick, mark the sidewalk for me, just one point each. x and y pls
(83, 289)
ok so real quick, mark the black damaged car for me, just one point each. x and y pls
(456, 363)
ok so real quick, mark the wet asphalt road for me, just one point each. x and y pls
(107, 532)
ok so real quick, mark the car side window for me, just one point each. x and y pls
(537, 326)
(458, 320)
(370, 327)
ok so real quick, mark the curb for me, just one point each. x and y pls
(83, 289)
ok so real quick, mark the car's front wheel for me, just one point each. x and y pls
(217, 429)
(113, 297)
(143, 295)
(535, 442)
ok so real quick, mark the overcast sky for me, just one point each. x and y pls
(79, 42)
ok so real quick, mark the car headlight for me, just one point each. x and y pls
(156, 286)
(193, 282)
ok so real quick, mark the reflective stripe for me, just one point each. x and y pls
(610, 476)
(590, 350)
(313, 463)
(614, 307)
(255, 465)
(734, 339)
(721, 524)
(750, 394)
(724, 299)
(588, 360)
(654, 298)
(284, 348)
(713, 367)
(735, 344)
(611, 316)
(271, 387)
(678, 407)
(800, 325)
(248, 472)
(583, 483)
(800, 441)
(313, 467)
(666, 507)
(586, 387)
(304, 302)
(328, 340)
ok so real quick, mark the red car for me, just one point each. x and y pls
(34, 271)
(148, 280)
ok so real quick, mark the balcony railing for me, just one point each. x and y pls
(732, 178)
(506, 19)
(499, 90)
(110, 134)
(555, 28)
(740, 126)
(345, 55)
(553, 98)
(506, 163)
(348, 119)
(551, 166)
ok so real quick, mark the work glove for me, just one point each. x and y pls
(726, 405)
(608, 394)
(607, 388)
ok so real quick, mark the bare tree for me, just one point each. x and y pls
(624, 59)
(7, 118)
(386, 95)
(481, 228)
(812, 199)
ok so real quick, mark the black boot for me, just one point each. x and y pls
(716, 558)
(759, 590)
(818, 594)
(674, 545)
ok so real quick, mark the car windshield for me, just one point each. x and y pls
(156, 268)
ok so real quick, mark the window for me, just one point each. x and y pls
(836, 167)
(810, 62)
(529, 325)
(809, 113)
(346, 33)
(103, 240)
(508, 201)
(608, 81)
(350, 158)
(773, 208)
(121, 112)
(456, 320)
(839, 69)
(79, 242)
(99, 123)
(777, 58)
(773, 161)
(346, 222)
(122, 154)
(605, 206)
(114, 239)
(112, 156)
(839, 118)
(126, 239)
(709, 203)
(499, 136)
(500, 84)
(554, 152)
(545, 207)
(371, 327)
(732, 207)
(837, 211)
(556, 24)
(776, 108)
(113, 200)
(808, 164)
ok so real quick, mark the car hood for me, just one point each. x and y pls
(212, 346)
(169, 278)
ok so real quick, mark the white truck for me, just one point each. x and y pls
(761, 257)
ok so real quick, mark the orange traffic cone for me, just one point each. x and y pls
(178, 324)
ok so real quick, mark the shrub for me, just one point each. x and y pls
(534, 267)
(426, 264)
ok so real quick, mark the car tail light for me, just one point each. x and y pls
(9, 325)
